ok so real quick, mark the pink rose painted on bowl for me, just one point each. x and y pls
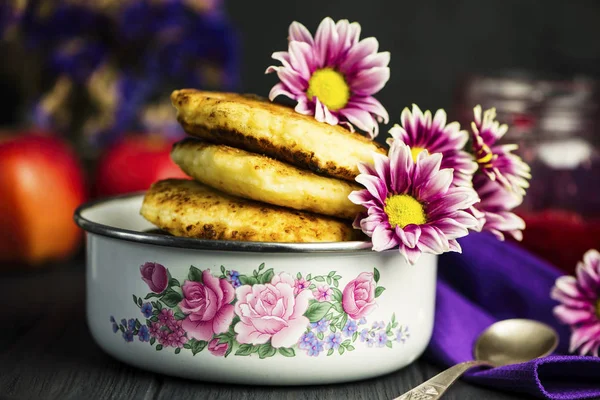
(155, 275)
(216, 348)
(271, 311)
(358, 298)
(207, 306)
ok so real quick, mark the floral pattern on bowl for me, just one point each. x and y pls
(263, 313)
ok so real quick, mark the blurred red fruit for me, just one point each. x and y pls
(135, 163)
(41, 184)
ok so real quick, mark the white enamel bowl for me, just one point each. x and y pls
(289, 314)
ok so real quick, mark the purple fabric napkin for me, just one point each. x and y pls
(494, 280)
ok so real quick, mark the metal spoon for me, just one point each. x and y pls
(510, 341)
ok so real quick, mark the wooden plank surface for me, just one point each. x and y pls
(47, 352)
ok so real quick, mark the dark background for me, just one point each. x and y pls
(433, 43)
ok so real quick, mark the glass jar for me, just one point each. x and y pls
(556, 125)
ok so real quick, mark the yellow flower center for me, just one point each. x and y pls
(415, 151)
(484, 155)
(403, 210)
(330, 87)
(598, 308)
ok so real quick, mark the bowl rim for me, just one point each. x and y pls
(204, 244)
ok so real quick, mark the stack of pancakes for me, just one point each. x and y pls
(261, 171)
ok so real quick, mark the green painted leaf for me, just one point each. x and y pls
(137, 324)
(376, 275)
(395, 325)
(336, 294)
(393, 317)
(308, 277)
(244, 350)
(159, 347)
(248, 280)
(154, 318)
(122, 328)
(332, 328)
(329, 280)
(298, 275)
(171, 298)
(266, 350)
(140, 301)
(177, 350)
(266, 276)
(151, 295)
(287, 352)
(388, 344)
(330, 352)
(179, 315)
(317, 310)
(159, 305)
(331, 274)
(337, 306)
(319, 279)
(198, 346)
(312, 287)
(135, 299)
(354, 336)
(152, 341)
(320, 335)
(261, 267)
(195, 274)
(336, 283)
(379, 290)
(350, 348)
(186, 346)
(223, 270)
(337, 277)
(229, 349)
(174, 282)
(343, 321)
(346, 343)
(341, 350)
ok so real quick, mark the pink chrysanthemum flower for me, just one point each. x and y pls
(333, 75)
(419, 131)
(497, 162)
(494, 210)
(411, 204)
(580, 308)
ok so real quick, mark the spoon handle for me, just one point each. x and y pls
(435, 387)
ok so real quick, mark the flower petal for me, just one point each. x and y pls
(383, 239)
(300, 33)
(371, 81)
(583, 334)
(361, 119)
(573, 316)
(326, 35)
(411, 255)
(280, 90)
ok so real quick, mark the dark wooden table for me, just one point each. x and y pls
(47, 352)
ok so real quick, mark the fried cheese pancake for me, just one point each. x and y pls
(188, 208)
(256, 177)
(260, 126)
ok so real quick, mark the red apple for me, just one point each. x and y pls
(41, 184)
(135, 163)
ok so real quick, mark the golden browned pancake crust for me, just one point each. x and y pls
(191, 209)
(260, 126)
(256, 177)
